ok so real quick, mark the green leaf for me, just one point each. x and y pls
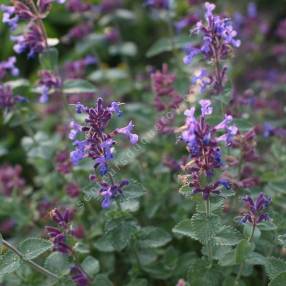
(200, 274)
(49, 59)
(57, 263)
(167, 44)
(80, 247)
(282, 239)
(34, 247)
(227, 236)
(102, 280)
(138, 282)
(78, 86)
(153, 237)
(9, 263)
(274, 266)
(256, 259)
(91, 266)
(280, 280)
(119, 233)
(199, 227)
(184, 228)
(242, 251)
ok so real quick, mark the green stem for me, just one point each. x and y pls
(252, 232)
(236, 281)
(209, 246)
(29, 261)
(241, 264)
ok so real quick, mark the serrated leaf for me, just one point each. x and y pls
(9, 263)
(120, 233)
(274, 266)
(227, 236)
(200, 274)
(153, 237)
(184, 228)
(256, 259)
(204, 228)
(242, 251)
(91, 266)
(57, 263)
(78, 86)
(199, 227)
(34, 247)
(280, 280)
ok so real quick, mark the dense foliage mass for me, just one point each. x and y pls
(142, 143)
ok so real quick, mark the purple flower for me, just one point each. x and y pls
(73, 190)
(33, 41)
(62, 218)
(206, 107)
(78, 276)
(218, 39)
(11, 179)
(202, 144)
(109, 192)
(133, 138)
(255, 209)
(58, 239)
(77, 6)
(98, 143)
(7, 99)
(63, 163)
(75, 128)
(158, 4)
(79, 153)
(47, 82)
(8, 66)
(9, 16)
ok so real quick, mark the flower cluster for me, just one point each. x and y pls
(202, 142)
(166, 97)
(33, 40)
(219, 38)
(97, 143)
(255, 209)
(10, 179)
(58, 235)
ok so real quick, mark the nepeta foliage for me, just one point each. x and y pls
(107, 109)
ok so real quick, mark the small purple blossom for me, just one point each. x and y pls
(111, 191)
(78, 276)
(33, 41)
(127, 131)
(158, 4)
(47, 82)
(255, 209)
(8, 66)
(9, 16)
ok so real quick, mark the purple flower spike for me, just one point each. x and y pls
(128, 132)
(255, 209)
